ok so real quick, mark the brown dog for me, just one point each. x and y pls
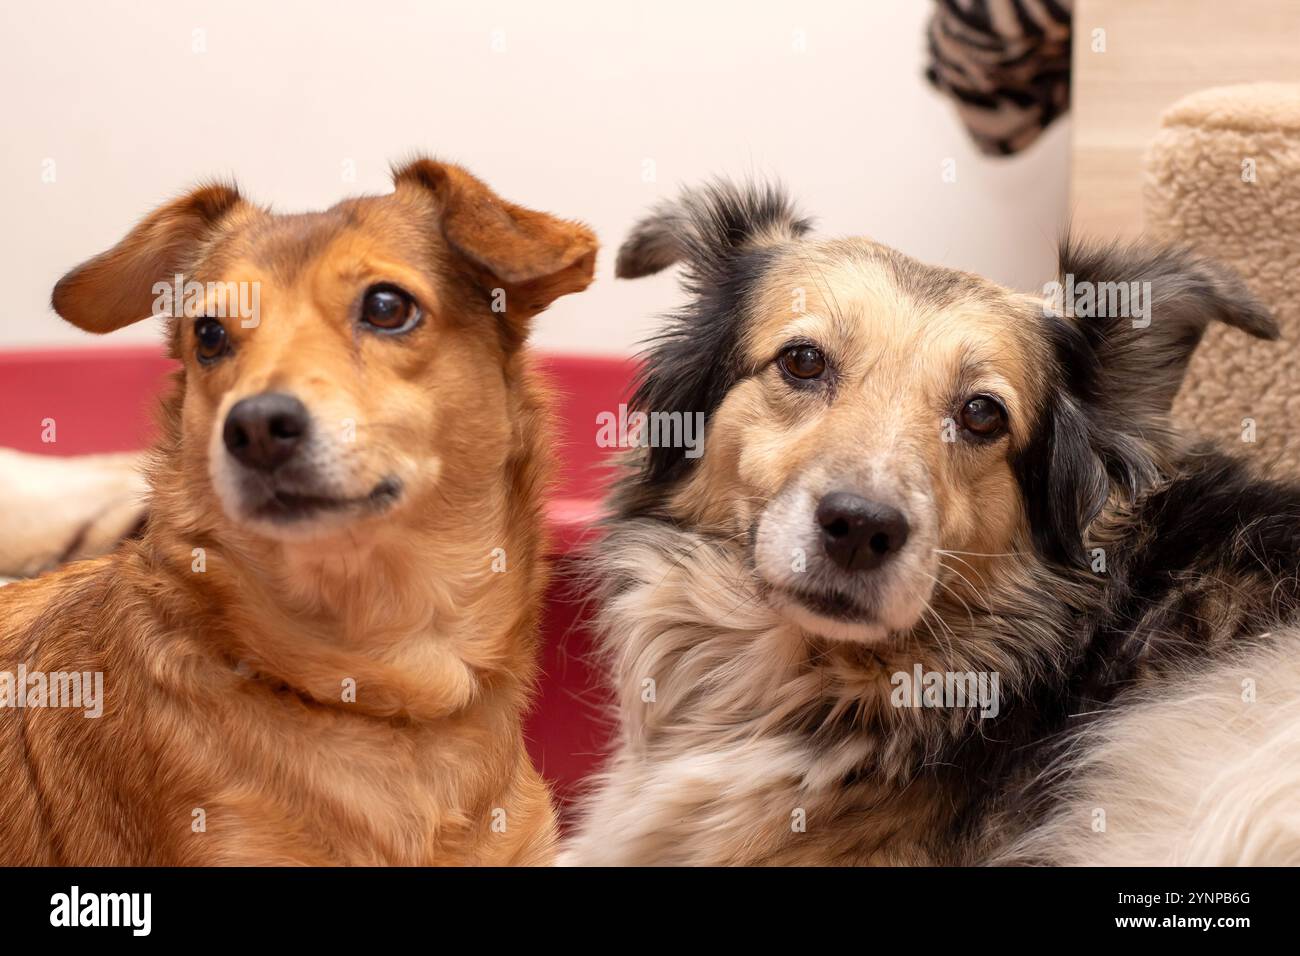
(321, 648)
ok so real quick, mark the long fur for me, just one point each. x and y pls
(1202, 770)
(746, 739)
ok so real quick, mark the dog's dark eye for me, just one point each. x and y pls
(211, 338)
(803, 362)
(389, 309)
(983, 416)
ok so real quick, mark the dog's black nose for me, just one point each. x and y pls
(858, 534)
(264, 431)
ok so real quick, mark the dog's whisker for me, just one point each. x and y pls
(976, 592)
(979, 554)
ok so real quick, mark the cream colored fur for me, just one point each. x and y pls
(1209, 776)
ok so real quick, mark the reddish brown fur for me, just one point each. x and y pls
(224, 689)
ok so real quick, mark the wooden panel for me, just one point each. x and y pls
(1157, 51)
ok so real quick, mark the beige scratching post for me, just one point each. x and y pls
(1223, 176)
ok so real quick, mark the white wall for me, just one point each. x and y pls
(564, 118)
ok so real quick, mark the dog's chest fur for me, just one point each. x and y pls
(356, 791)
(742, 742)
(198, 760)
(739, 742)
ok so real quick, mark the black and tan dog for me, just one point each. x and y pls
(939, 532)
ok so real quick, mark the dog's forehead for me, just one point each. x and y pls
(856, 294)
(284, 244)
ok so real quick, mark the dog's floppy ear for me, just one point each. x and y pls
(1123, 322)
(1143, 310)
(533, 256)
(725, 236)
(116, 287)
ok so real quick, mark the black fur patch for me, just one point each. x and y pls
(1206, 562)
(692, 365)
(1060, 473)
(726, 236)
(1104, 426)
